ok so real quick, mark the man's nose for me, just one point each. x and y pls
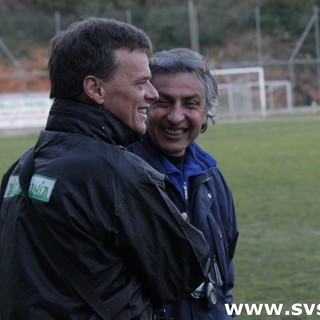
(176, 114)
(152, 93)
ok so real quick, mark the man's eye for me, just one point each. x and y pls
(192, 104)
(161, 103)
(141, 83)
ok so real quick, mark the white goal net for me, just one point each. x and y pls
(244, 92)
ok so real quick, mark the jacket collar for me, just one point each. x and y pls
(197, 160)
(91, 120)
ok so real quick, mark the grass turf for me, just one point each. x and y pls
(272, 167)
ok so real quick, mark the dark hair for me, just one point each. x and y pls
(185, 60)
(88, 48)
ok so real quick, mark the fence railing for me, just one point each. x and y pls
(283, 41)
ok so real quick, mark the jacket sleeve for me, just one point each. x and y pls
(170, 255)
(232, 236)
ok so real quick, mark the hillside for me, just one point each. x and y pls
(238, 51)
(227, 35)
(13, 79)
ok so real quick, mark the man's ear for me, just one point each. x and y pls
(94, 89)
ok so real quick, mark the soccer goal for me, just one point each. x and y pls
(244, 92)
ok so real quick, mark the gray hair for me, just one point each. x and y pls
(185, 60)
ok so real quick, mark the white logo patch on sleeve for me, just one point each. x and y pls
(40, 188)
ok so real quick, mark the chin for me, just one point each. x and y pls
(174, 152)
(141, 130)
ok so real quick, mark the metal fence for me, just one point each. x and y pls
(284, 42)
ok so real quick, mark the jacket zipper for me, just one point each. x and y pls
(219, 281)
(185, 189)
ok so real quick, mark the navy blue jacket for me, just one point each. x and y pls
(205, 196)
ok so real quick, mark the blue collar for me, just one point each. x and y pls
(196, 162)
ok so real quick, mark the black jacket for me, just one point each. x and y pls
(109, 213)
(210, 207)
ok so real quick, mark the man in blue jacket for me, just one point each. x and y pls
(187, 94)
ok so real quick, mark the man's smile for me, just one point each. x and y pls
(174, 132)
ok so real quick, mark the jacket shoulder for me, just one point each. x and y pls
(144, 167)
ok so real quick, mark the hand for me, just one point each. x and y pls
(184, 216)
(199, 292)
(206, 289)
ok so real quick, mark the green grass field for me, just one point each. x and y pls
(272, 167)
(273, 170)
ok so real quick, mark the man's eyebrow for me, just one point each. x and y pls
(143, 78)
(165, 95)
(192, 96)
(195, 97)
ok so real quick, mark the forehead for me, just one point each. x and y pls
(133, 62)
(180, 84)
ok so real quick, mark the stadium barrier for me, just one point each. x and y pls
(24, 110)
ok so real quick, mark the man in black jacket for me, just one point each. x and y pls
(103, 207)
(187, 97)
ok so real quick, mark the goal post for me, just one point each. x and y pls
(237, 91)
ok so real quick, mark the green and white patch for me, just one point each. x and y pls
(40, 188)
(13, 187)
